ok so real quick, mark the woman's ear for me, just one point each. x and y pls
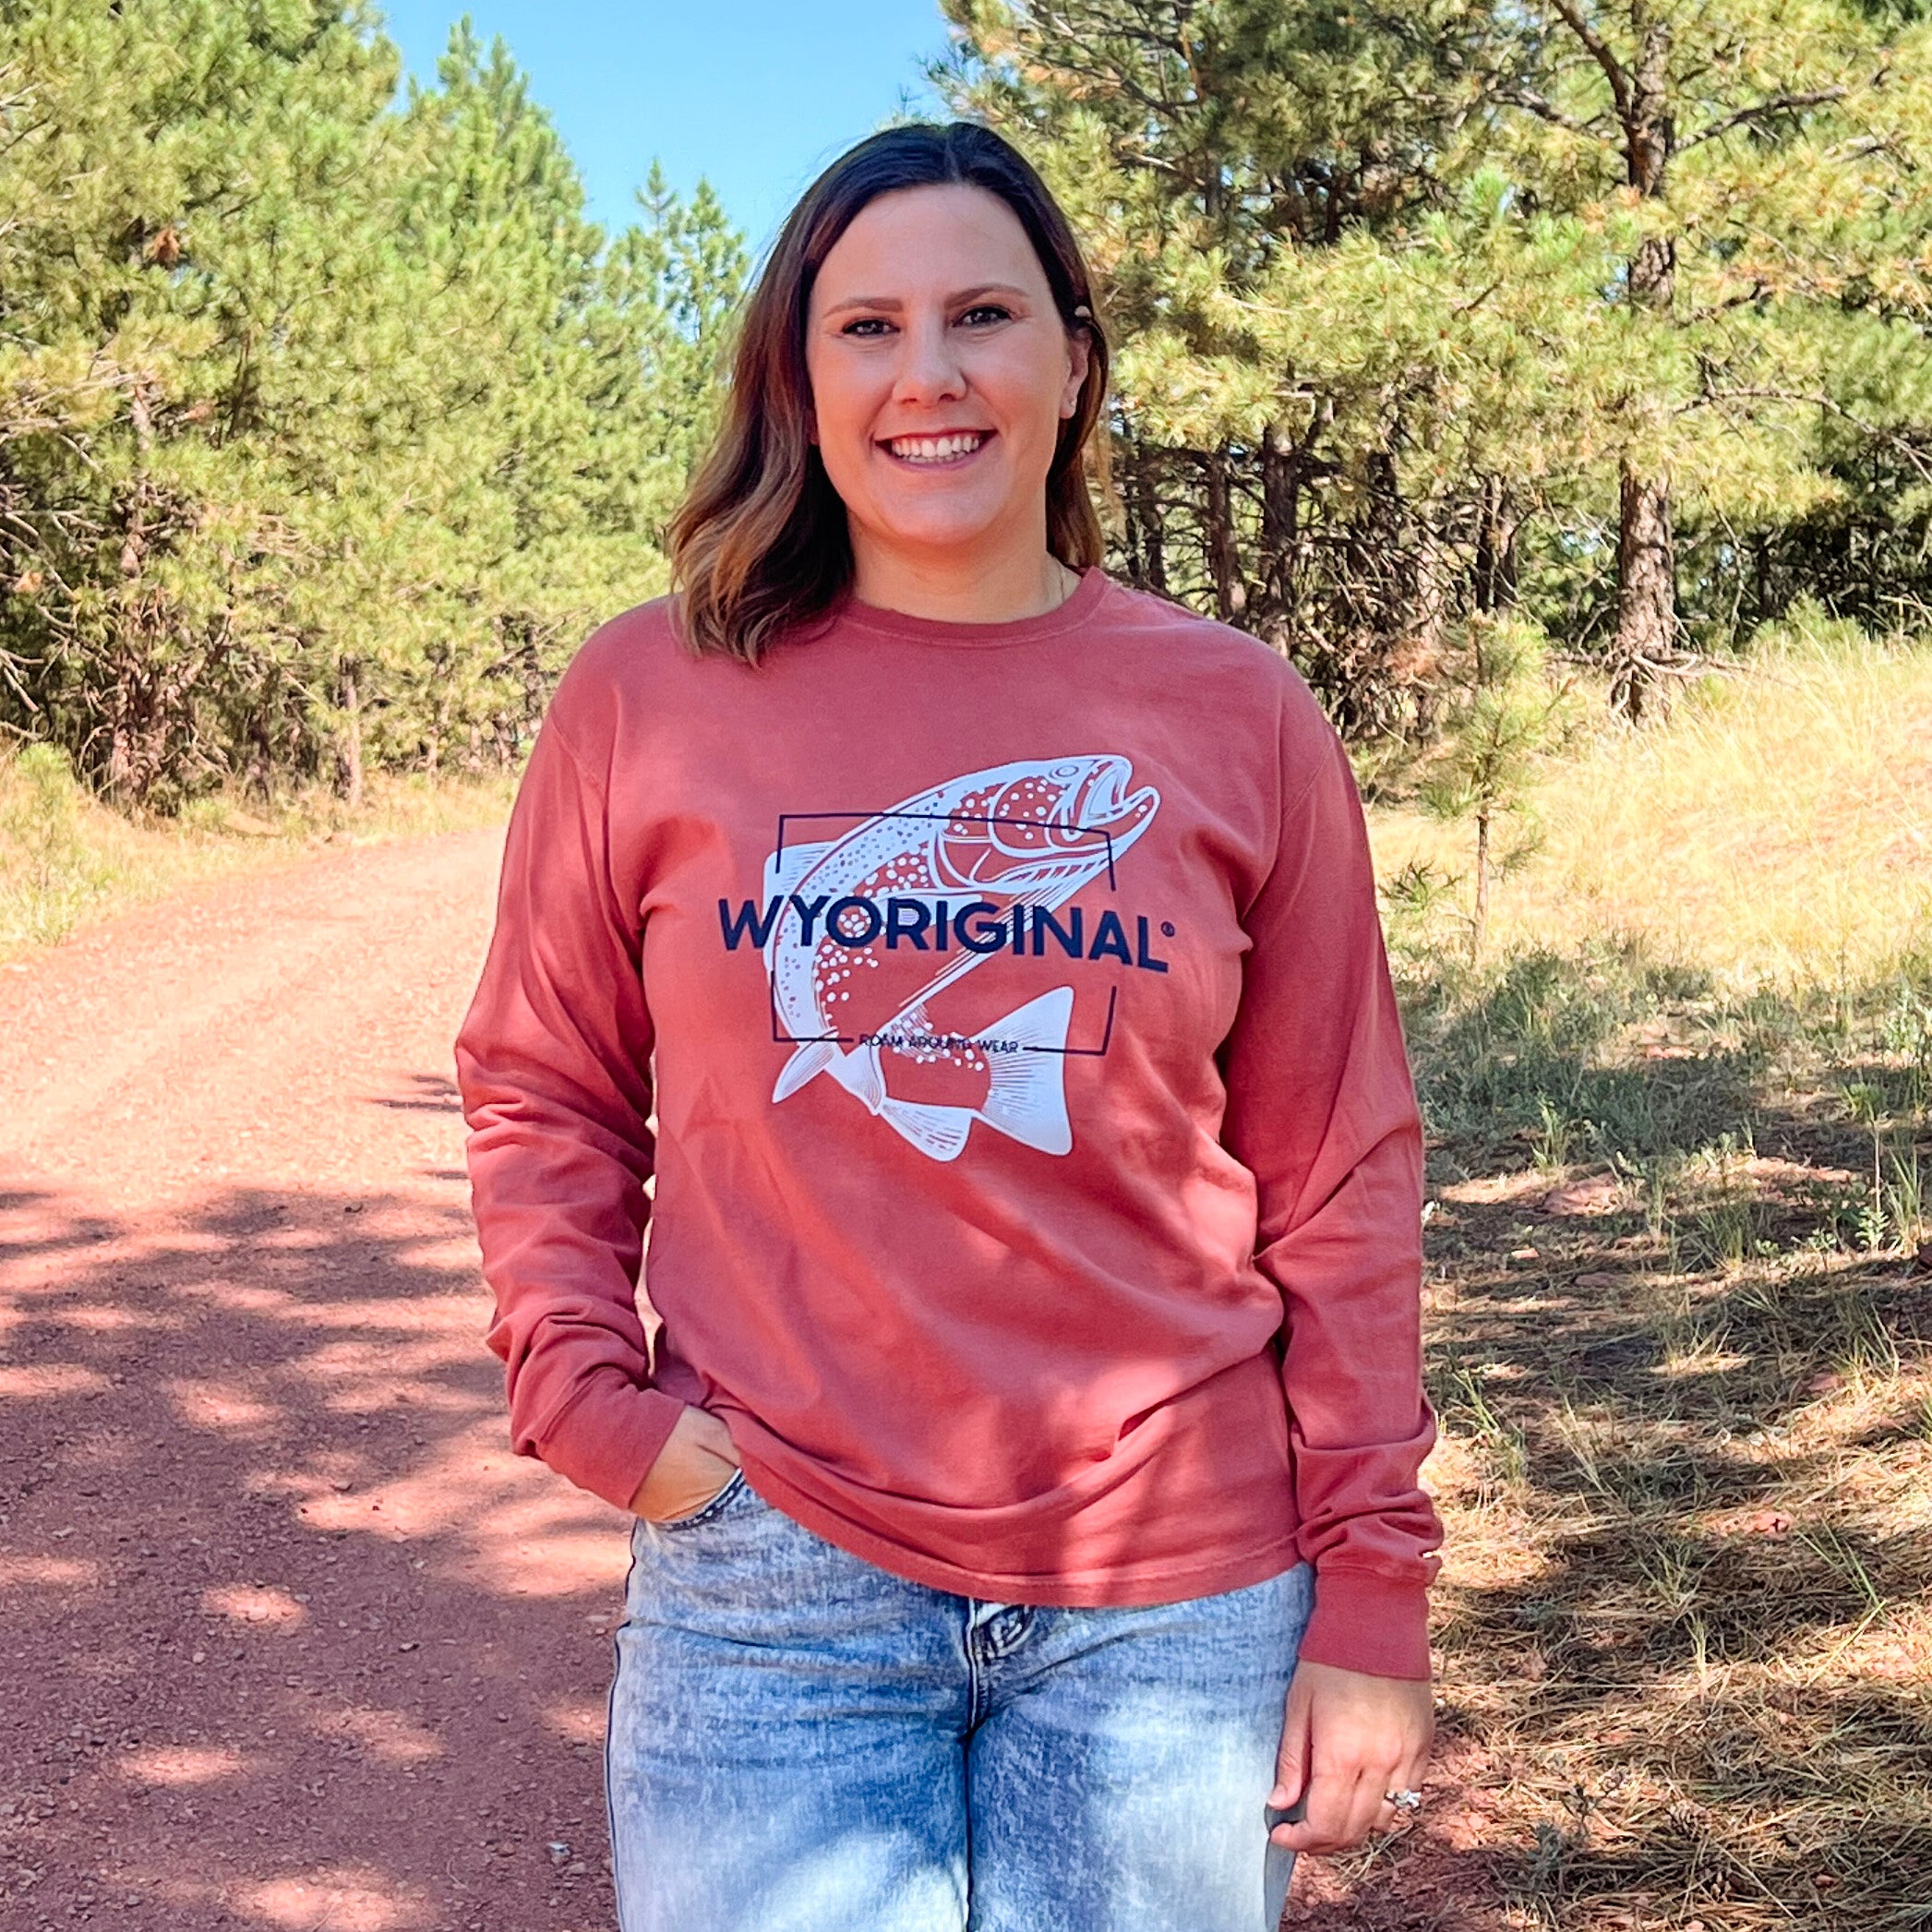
(1079, 359)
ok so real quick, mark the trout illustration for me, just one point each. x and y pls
(884, 917)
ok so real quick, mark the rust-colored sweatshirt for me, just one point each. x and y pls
(1037, 1170)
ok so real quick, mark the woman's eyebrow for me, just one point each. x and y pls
(893, 303)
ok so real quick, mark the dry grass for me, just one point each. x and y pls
(65, 860)
(1685, 1633)
(1777, 830)
(1679, 1342)
(1683, 1626)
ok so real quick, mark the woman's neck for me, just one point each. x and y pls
(962, 591)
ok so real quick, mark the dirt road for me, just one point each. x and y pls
(291, 1640)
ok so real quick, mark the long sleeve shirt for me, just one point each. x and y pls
(1000, 1016)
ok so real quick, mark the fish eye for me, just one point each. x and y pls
(1064, 771)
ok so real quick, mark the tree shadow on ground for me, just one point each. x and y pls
(1685, 1633)
(294, 1640)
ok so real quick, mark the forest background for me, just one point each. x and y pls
(1452, 336)
(1549, 381)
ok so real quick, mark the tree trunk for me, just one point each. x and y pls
(348, 742)
(1280, 532)
(1428, 598)
(1647, 577)
(1230, 594)
(259, 770)
(1646, 591)
(1150, 520)
(130, 739)
(1493, 585)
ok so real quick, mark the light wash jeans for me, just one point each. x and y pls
(801, 1742)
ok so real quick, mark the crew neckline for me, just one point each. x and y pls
(908, 629)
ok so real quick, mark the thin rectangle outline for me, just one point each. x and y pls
(971, 818)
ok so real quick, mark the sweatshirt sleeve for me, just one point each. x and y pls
(553, 1061)
(1322, 1110)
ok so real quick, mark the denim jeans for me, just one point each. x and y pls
(801, 1742)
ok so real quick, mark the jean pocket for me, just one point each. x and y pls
(733, 1486)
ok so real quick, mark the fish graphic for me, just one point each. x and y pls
(1031, 834)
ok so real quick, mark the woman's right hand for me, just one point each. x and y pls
(694, 1465)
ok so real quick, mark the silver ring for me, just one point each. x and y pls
(1404, 1800)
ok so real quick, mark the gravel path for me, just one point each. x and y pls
(291, 1640)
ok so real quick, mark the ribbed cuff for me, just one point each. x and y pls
(1369, 1623)
(606, 1442)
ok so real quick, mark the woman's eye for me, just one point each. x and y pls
(871, 328)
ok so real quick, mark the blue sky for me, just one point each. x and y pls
(757, 95)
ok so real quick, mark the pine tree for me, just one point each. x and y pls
(329, 421)
(1503, 716)
(1433, 309)
(1758, 145)
(1295, 256)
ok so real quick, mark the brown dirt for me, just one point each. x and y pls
(295, 1643)
(292, 1640)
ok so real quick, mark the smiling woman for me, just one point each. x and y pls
(916, 437)
(937, 408)
(1024, 1470)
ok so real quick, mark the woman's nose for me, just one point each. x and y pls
(929, 370)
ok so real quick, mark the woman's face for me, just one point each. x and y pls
(940, 373)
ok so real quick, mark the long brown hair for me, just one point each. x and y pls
(759, 545)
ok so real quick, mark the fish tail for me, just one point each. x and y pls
(1025, 1096)
(861, 1076)
(939, 1132)
(811, 1060)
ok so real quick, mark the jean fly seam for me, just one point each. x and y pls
(978, 1684)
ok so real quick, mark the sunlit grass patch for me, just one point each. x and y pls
(1776, 830)
(1686, 1616)
(1686, 1461)
(65, 858)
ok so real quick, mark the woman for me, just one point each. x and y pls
(1038, 1174)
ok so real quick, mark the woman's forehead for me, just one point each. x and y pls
(926, 243)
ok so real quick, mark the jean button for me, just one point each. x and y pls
(1008, 1627)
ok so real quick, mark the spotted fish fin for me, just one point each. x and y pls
(939, 1132)
(806, 1064)
(1026, 1097)
(784, 870)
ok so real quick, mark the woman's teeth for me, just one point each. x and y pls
(935, 449)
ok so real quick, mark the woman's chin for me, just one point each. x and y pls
(967, 533)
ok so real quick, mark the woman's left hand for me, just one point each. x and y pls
(1348, 1740)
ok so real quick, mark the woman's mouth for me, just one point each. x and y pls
(931, 452)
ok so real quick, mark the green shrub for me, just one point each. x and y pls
(48, 874)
